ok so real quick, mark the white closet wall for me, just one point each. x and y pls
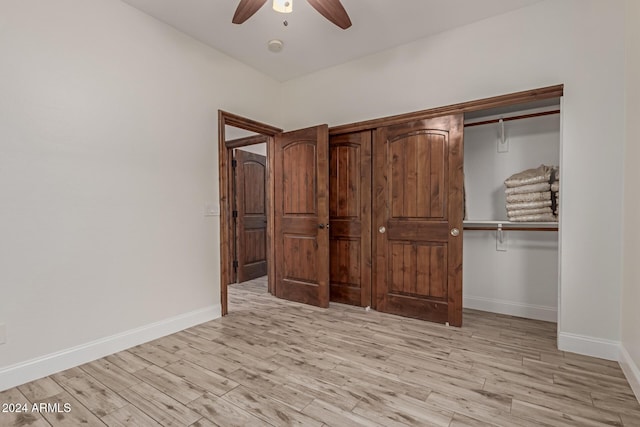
(523, 279)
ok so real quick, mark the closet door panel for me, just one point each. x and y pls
(418, 170)
(418, 202)
(350, 218)
(421, 272)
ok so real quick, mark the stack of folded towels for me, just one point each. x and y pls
(529, 195)
(555, 190)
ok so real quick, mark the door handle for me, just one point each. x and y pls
(381, 229)
(321, 226)
(455, 232)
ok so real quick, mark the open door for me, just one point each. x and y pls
(251, 215)
(301, 177)
(418, 213)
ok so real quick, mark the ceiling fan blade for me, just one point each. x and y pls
(246, 9)
(333, 11)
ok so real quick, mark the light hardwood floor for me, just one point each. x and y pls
(272, 362)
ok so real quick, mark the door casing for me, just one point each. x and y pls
(225, 181)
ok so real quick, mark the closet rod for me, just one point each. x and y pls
(508, 119)
(474, 228)
(508, 225)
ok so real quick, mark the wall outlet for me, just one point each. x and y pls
(3, 333)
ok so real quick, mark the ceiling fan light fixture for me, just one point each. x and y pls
(283, 6)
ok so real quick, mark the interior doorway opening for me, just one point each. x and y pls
(236, 133)
(249, 203)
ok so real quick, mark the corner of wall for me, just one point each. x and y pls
(589, 346)
(631, 371)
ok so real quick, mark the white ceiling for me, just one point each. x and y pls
(310, 41)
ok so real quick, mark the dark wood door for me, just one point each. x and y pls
(251, 221)
(301, 177)
(350, 218)
(418, 212)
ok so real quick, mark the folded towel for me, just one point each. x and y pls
(530, 188)
(555, 186)
(525, 212)
(531, 176)
(528, 205)
(529, 197)
(534, 218)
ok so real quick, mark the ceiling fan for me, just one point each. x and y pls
(330, 9)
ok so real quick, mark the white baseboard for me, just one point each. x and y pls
(589, 346)
(529, 311)
(631, 371)
(43, 366)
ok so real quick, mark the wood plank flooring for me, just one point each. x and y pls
(272, 362)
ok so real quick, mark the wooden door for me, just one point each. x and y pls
(350, 218)
(301, 177)
(251, 211)
(418, 212)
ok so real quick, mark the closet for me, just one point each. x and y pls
(399, 188)
(509, 267)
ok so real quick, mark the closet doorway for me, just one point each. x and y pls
(417, 228)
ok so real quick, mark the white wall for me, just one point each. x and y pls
(108, 155)
(630, 319)
(575, 42)
(521, 278)
(260, 149)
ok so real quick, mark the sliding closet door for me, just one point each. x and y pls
(418, 212)
(350, 218)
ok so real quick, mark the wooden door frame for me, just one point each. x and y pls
(515, 98)
(225, 180)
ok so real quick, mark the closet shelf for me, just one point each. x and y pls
(508, 225)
